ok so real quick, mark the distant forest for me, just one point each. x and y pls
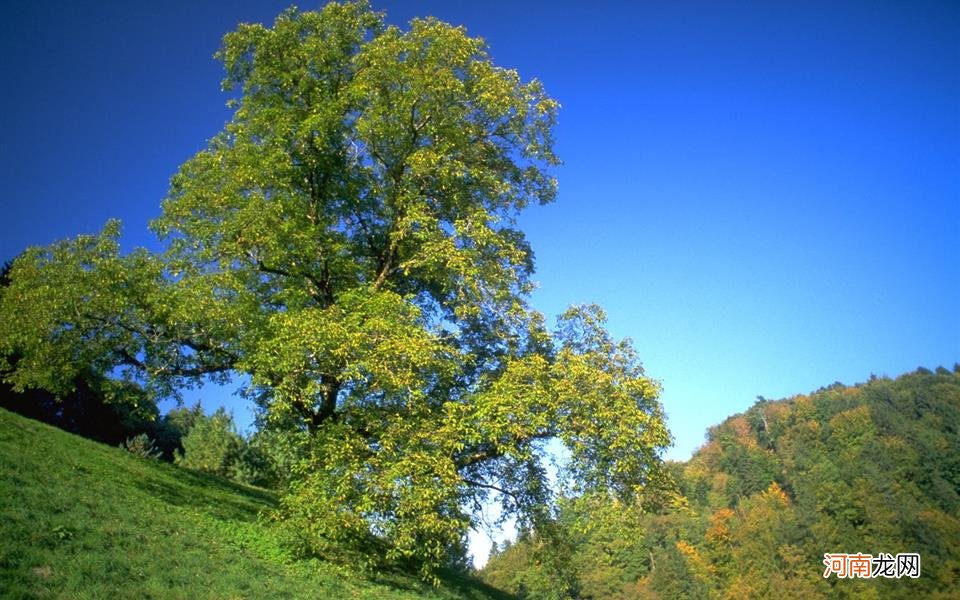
(873, 468)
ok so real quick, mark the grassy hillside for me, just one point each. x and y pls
(83, 520)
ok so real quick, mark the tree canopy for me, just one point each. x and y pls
(349, 244)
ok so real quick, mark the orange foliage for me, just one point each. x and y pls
(775, 492)
(719, 530)
(741, 427)
(700, 567)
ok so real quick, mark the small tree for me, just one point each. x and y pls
(170, 430)
(141, 445)
(282, 449)
(253, 466)
(212, 445)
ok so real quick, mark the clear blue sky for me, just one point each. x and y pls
(764, 196)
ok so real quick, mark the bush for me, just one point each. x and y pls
(169, 431)
(212, 445)
(252, 466)
(141, 445)
(282, 450)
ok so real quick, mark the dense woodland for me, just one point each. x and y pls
(867, 468)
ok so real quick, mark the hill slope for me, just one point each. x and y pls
(83, 520)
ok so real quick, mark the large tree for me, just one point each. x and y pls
(348, 242)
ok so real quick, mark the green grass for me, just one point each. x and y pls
(83, 520)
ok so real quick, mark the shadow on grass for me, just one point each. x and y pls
(471, 587)
(464, 585)
(217, 497)
(46, 447)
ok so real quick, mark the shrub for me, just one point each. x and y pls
(252, 466)
(212, 445)
(141, 445)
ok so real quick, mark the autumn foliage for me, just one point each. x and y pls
(871, 468)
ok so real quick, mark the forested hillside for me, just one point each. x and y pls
(872, 468)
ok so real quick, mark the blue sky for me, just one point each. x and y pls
(764, 196)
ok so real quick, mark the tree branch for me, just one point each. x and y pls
(490, 486)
